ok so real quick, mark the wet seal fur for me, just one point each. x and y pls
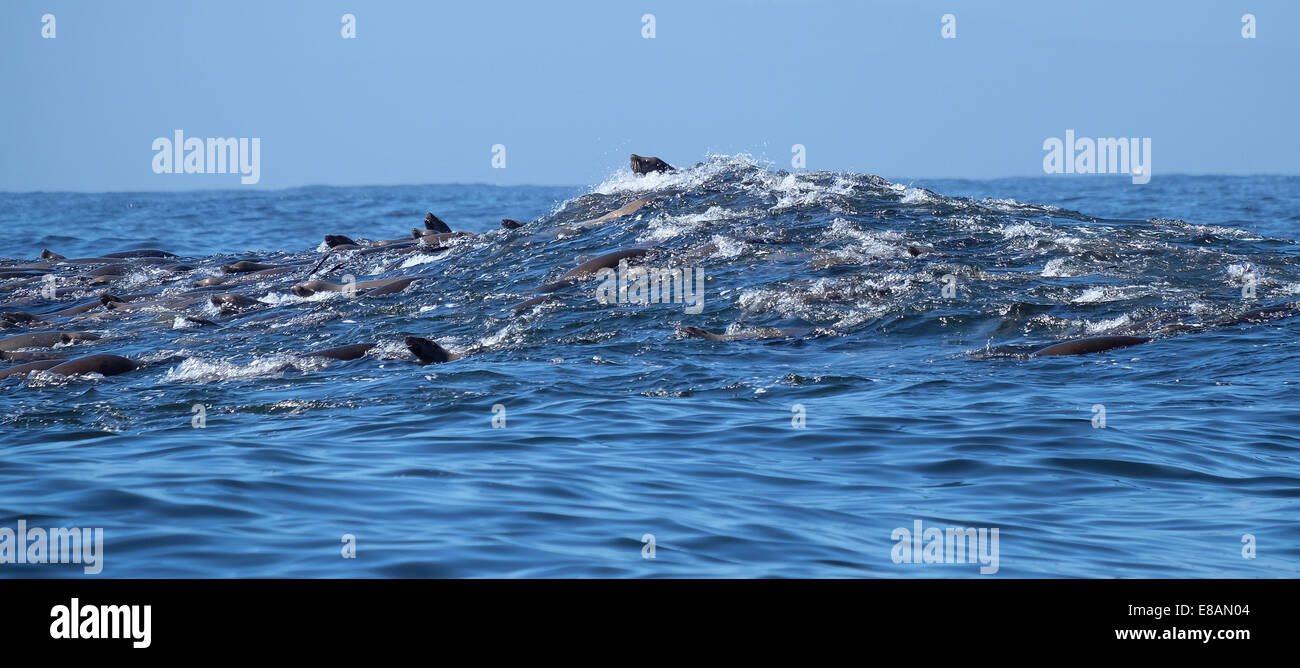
(108, 365)
(23, 369)
(755, 334)
(582, 271)
(44, 339)
(246, 266)
(370, 288)
(140, 253)
(344, 353)
(230, 303)
(424, 350)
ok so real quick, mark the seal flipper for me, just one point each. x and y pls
(692, 332)
(1094, 344)
(434, 223)
(428, 352)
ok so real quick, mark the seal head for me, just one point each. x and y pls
(644, 165)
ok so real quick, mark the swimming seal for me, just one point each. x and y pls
(582, 271)
(108, 365)
(754, 334)
(590, 267)
(428, 352)
(231, 302)
(78, 309)
(23, 273)
(511, 224)
(15, 318)
(51, 255)
(625, 210)
(1094, 344)
(110, 270)
(370, 288)
(44, 339)
(1260, 316)
(245, 266)
(643, 165)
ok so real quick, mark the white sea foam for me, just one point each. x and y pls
(201, 371)
(1057, 268)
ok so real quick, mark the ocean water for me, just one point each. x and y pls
(882, 401)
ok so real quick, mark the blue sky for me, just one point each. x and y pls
(570, 88)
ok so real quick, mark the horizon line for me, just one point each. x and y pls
(899, 180)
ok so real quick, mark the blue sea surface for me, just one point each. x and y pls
(621, 433)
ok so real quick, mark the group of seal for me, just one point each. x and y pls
(46, 351)
(12, 347)
(216, 289)
(49, 351)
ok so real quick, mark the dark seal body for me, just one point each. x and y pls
(428, 352)
(23, 369)
(342, 352)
